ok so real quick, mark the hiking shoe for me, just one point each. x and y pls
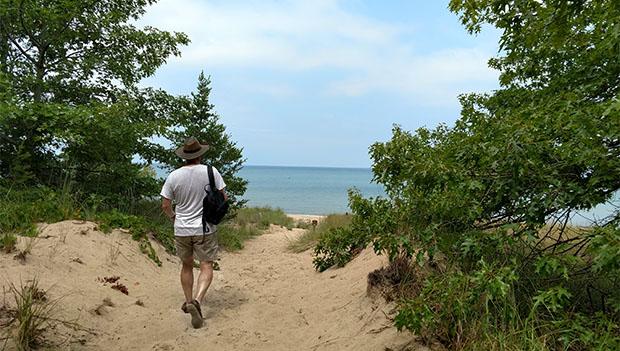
(197, 321)
(197, 304)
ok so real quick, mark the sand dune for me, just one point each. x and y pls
(263, 298)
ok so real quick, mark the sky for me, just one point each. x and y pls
(316, 82)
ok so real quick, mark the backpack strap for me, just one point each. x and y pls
(213, 189)
(211, 178)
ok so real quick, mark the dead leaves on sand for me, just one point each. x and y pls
(116, 284)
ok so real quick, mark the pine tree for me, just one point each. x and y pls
(202, 122)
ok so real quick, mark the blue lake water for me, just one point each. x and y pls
(322, 190)
(306, 190)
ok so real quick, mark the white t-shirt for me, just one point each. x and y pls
(186, 187)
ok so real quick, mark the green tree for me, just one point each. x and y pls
(75, 112)
(199, 119)
(76, 51)
(492, 196)
(67, 62)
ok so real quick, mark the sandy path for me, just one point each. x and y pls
(263, 298)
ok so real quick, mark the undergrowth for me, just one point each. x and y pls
(314, 233)
(8, 242)
(24, 207)
(232, 237)
(249, 222)
(262, 217)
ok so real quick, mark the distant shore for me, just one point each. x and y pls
(305, 217)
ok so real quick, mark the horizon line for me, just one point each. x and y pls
(298, 166)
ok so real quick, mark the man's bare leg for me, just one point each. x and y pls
(187, 282)
(204, 279)
(187, 278)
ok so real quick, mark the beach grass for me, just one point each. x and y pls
(249, 222)
(8, 242)
(31, 316)
(312, 235)
(231, 237)
(24, 207)
(262, 217)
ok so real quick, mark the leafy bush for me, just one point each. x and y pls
(337, 247)
(313, 234)
(494, 194)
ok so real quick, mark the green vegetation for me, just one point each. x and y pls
(32, 315)
(69, 74)
(199, 119)
(249, 222)
(143, 220)
(21, 207)
(312, 235)
(8, 242)
(337, 247)
(262, 217)
(476, 215)
(231, 237)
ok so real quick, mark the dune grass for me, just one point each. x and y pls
(31, 315)
(249, 222)
(312, 235)
(24, 207)
(8, 241)
(231, 237)
(262, 217)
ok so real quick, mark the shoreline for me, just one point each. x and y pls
(305, 217)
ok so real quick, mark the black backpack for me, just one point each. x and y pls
(214, 207)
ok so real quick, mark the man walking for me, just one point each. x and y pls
(186, 188)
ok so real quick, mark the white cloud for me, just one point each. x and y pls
(435, 78)
(305, 35)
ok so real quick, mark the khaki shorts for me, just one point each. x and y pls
(193, 245)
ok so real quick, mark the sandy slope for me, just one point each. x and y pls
(263, 298)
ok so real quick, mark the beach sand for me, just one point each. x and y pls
(263, 297)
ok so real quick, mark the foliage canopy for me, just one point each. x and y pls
(71, 112)
(490, 199)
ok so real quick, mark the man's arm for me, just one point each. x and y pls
(225, 195)
(166, 206)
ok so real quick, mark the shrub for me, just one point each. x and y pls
(495, 193)
(313, 235)
(337, 247)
